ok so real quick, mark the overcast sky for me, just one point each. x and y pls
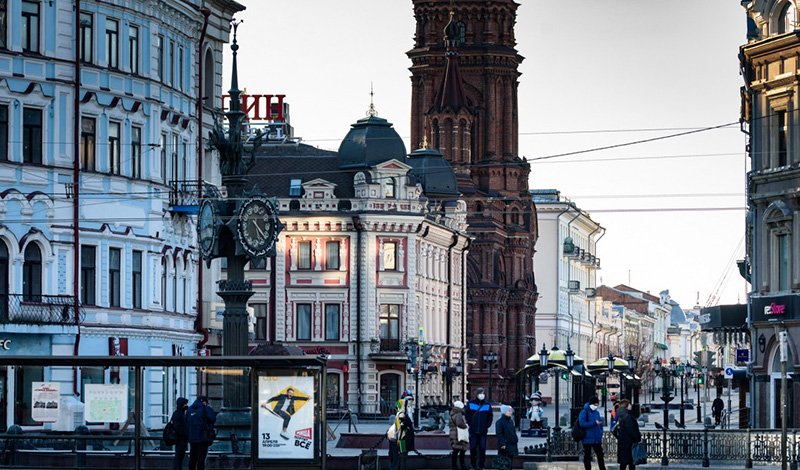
(596, 73)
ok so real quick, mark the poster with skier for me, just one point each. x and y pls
(286, 428)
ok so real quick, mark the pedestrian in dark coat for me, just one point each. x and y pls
(716, 409)
(199, 416)
(479, 418)
(627, 435)
(458, 421)
(589, 419)
(178, 420)
(507, 438)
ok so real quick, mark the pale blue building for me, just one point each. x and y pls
(100, 154)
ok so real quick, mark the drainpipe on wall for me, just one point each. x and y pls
(76, 179)
(449, 311)
(359, 230)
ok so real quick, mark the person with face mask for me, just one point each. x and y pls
(589, 419)
(479, 418)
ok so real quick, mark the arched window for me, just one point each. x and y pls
(32, 274)
(3, 281)
(208, 80)
(786, 21)
(164, 282)
(390, 188)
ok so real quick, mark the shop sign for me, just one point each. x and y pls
(5, 344)
(774, 309)
(742, 355)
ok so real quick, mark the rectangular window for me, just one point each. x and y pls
(136, 279)
(175, 161)
(171, 62)
(295, 187)
(32, 135)
(783, 262)
(87, 143)
(136, 152)
(332, 255)
(782, 134)
(390, 321)
(332, 322)
(87, 37)
(112, 43)
(88, 278)
(3, 132)
(389, 256)
(260, 314)
(160, 50)
(3, 20)
(304, 255)
(113, 148)
(30, 26)
(133, 48)
(164, 157)
(304, 321)
(180, 68)
(114, 255)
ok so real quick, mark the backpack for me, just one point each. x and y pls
(578, 433)
(170, 434)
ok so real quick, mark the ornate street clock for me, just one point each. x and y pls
(207, 228)
(257, 227)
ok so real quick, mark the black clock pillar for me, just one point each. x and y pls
(221, 234)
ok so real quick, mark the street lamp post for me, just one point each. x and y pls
(631, 366)
(682, 373)
(608, 376)
(557, 379)
(490, 359)
(664, 371)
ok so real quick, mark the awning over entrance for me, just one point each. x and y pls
(661, 346)
(723, 316)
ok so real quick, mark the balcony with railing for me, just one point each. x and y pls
(38, 310)
(184, 196)
(387, 349)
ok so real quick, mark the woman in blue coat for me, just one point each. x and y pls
(589, 419)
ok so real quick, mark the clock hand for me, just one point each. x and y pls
(261, 232)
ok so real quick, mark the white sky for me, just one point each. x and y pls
(591, 65)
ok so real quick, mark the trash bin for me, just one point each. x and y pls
(369, 460)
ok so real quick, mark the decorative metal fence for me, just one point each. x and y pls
(731, 445)
(37, 309)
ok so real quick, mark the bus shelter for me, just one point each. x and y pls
(110, 411)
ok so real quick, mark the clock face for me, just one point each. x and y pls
(206, 228)
(256, 226)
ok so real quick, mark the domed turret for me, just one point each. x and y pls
(436, 176)
(372, 140)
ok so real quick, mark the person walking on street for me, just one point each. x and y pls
(401, 437)
(458, 422)
(178, 420)
(506, 435)
(627, 434)
(614, 417)
(589, 419)
(479, 418)
(716, 409)
(199, 416)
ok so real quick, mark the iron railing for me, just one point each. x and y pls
(37, 309)
(742, 446)
(184, 194)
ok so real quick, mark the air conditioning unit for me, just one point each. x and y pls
(569, 246)
(591, 292)
(574, 286)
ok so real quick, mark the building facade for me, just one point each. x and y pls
(464, 102)
(566, 267)
(98, 133)
(370, 268)
(769, 64)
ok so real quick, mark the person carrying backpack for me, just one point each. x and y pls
(178, 421)
(589, 420)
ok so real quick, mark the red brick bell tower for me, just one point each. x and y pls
(464, 101)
